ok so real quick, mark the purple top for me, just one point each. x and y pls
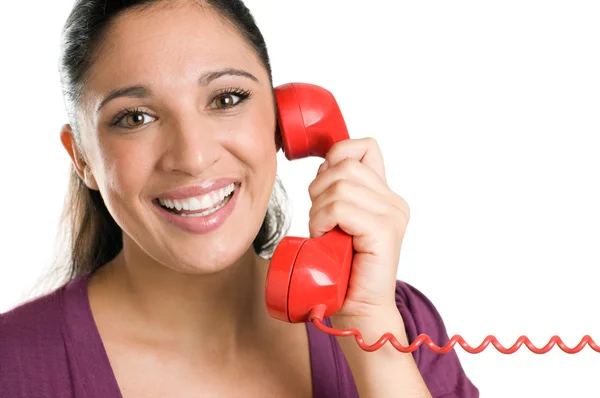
(50, 347)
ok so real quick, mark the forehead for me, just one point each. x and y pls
(177, 43)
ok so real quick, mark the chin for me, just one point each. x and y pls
(210, 258)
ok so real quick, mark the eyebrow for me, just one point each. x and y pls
(139, 91)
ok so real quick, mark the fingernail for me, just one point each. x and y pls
(323, 167)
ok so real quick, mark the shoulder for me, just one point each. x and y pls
(31, 344)
(44, 315)
(23, 324)
(443, 373)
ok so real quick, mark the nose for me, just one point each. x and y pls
(191, 147)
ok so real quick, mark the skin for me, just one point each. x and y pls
(183, 314)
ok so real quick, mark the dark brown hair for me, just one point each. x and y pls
(90, 237)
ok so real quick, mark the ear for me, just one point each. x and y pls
(81, 167)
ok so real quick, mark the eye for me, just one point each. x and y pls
(226, 100)
(131, 119)
(230, 98)
(136, 119)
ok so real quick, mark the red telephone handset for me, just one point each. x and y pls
(308, 272)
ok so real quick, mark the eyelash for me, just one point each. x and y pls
(241, 93)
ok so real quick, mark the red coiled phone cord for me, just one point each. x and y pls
(316, 317)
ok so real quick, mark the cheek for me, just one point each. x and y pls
(126, 169)
(261, 145)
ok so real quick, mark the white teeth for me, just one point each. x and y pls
(205, 202)
(194, 204)
(200, 202)
(178, 205)
(207, 212)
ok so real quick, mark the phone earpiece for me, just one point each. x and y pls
(308, 272)
(310, 120)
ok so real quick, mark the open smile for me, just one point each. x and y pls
(200, 213)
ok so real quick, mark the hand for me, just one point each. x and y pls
(351, 191)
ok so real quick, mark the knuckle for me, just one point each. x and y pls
(340, 187)
(311, 212)
(334, 209)
(348, 166)
(314, 217)
(372, 142)
(311, 222)
(333, 151)
(312, 190)
(401, 217)
(407, 212)
(404, 208)
(313, 227)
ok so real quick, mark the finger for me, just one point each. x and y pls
(365, 150)
(372, 233)
(351, 170)
(360, 196)
(346, 215)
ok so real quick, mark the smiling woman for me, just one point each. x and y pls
(172, 216)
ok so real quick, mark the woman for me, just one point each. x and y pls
(173, 141)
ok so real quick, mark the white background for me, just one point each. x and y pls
(488, 117)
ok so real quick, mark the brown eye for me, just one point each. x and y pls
(132, 119)
(228, 100)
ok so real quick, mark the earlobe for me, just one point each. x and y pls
(88, 178)
(81, 167)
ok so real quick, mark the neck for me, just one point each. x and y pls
(224, 309)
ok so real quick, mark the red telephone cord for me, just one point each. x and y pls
(316, 317)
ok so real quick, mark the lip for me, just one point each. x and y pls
(199, 189)
(200, 225)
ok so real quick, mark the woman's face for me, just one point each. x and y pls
(177, 126)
